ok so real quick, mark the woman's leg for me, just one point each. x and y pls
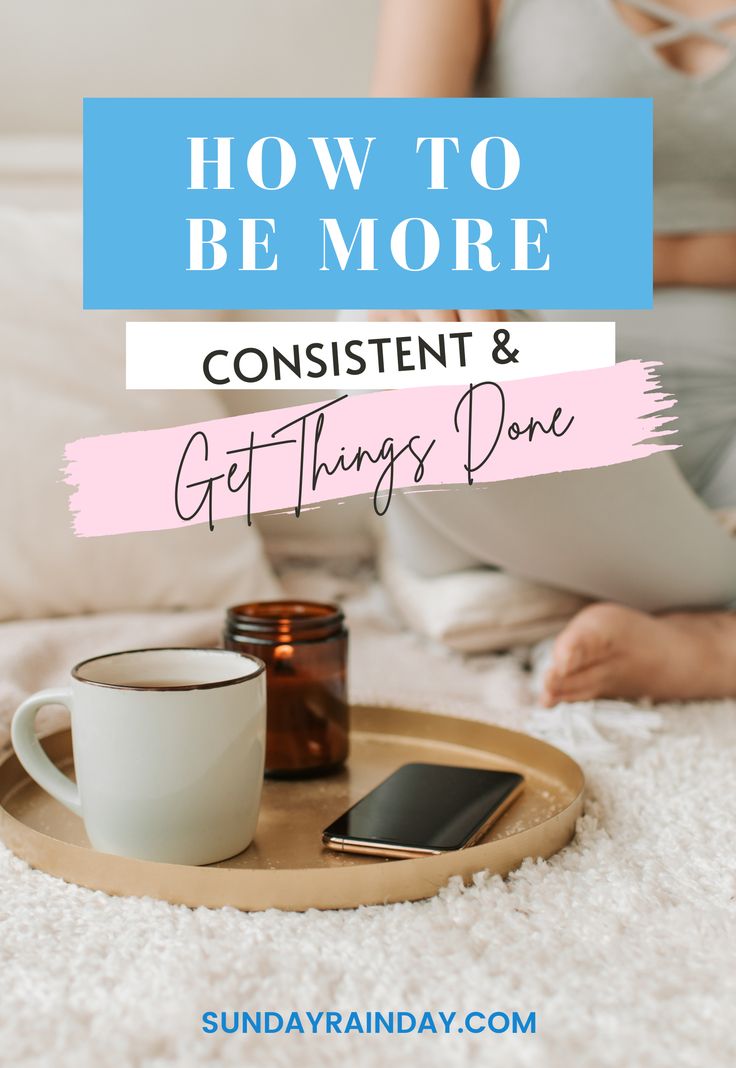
(420, 545)
(635, 533)
(609, 650)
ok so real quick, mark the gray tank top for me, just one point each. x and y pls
(584, 48)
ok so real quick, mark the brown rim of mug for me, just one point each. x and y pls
(261, 667)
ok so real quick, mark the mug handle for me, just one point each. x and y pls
(31, 755)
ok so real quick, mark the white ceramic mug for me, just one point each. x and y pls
(168, 751)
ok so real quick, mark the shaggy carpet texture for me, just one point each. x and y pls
(623, 944)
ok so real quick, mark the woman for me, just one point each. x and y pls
(683, 54)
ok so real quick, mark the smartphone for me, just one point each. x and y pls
(423, 809)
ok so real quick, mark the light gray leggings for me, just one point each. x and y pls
(640, 533)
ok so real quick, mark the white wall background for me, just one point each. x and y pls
(55, 52)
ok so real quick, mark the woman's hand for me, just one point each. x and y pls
(425, 316)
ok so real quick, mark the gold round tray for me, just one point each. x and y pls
(286, 867)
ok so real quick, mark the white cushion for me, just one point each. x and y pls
(63, 378)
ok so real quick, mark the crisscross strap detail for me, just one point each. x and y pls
(679, 26)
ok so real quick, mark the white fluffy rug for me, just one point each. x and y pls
(623, 945)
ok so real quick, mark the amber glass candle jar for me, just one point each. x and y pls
(304, 645)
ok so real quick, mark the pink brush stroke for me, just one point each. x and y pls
(125, 482)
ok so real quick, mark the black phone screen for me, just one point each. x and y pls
(426, 806)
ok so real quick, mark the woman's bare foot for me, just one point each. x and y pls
(608, 650)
